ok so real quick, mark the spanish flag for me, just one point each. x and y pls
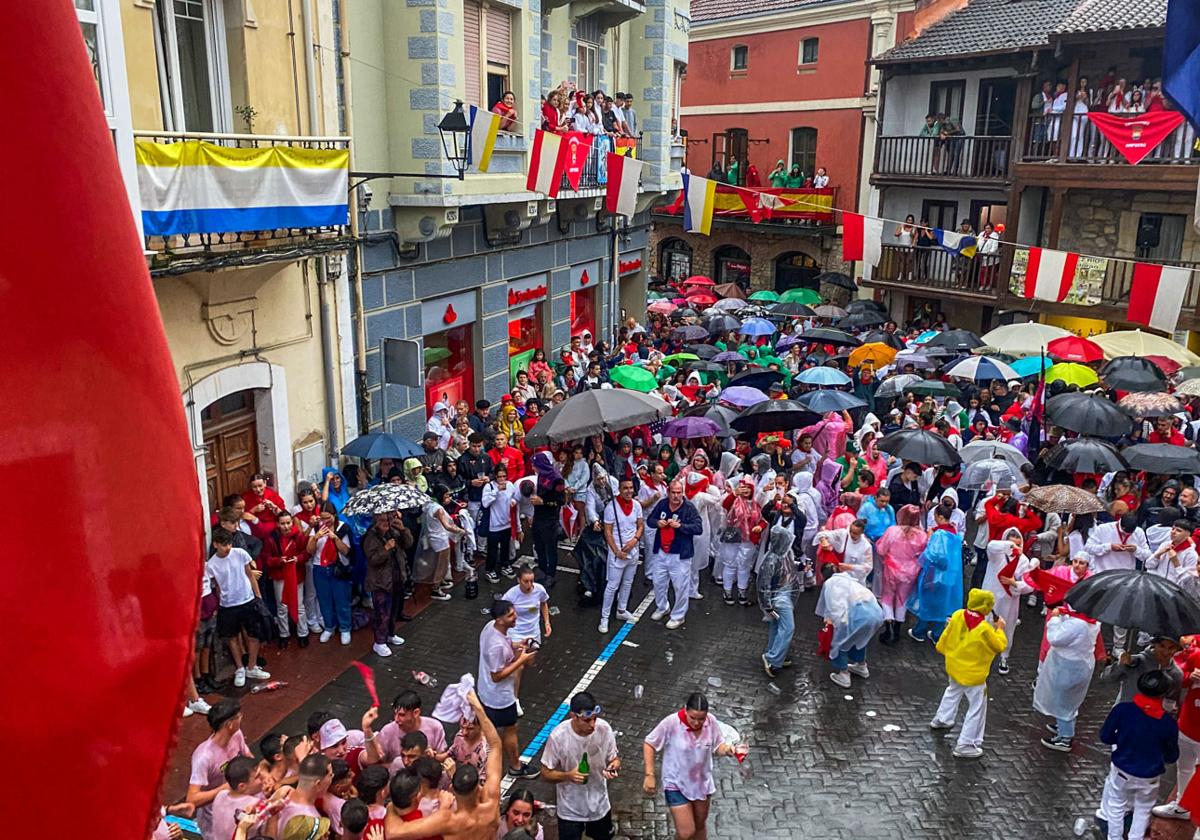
(484, 127)
(698, 197)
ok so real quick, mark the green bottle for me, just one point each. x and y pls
(584, 769)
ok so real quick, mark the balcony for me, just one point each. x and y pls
(1047, 141)
(908, 159)
(611, 12)
(938, 270)
(593, 180)
(221, 199)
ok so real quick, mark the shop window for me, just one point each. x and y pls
(676, 260)
(448, 367)
(583, 312)
(524, 336)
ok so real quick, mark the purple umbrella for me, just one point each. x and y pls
(728, 356)
(786, 342)
(690, 427)
(690, 332)
(742, 396)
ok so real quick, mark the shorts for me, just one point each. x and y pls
(502, 718)
(675, 798)
(233, 620)
(206, 632)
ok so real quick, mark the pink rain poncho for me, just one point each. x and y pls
(829, 435)
(900, 550)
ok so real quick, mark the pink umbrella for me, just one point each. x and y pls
(662, 307)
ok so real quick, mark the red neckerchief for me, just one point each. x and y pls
(972, 618)
(949, 480)
(946, 526)
(1078, 615)
(1122, 535)
(1183, 546)
(695, 733)
(1010, 568)
(1152, 706)
(329, 552)
(626, 506)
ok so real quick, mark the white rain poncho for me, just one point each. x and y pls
(853, 610)
(1066, 672)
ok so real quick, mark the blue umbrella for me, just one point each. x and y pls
(925, 336)
(823, 376)
(376, 445)
(1031, 365)
(823, 401)
(757, 326)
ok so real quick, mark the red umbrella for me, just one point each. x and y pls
(1072, 348)
(698, 280)
(701, 299)
(1168, 366)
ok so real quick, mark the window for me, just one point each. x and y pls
(739, 57)
(804, 149)
(940, 214)
(487, 52)
(947, 98)
(676, 259)
(587, 76)
(732, 266)
(808, 50)
(193, 65)
(1160, 236)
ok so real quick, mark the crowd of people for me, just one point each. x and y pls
(903, 550)
(568, 109)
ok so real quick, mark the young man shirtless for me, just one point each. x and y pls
(477, 812)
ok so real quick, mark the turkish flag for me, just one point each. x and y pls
(92, 413)
(1136, 136)
(575, 149)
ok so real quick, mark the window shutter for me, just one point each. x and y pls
(472, 18)
(499, 36)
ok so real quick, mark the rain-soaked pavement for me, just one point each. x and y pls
(824, 761)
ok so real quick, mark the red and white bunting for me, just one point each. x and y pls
(1049, 274)
(546, 164)
(1156, 295)
(862, 238)
(620, 196)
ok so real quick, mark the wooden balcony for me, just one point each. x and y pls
(928, 160)
(935, 269)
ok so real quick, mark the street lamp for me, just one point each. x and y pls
(455, 130)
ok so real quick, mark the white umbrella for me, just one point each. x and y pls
(983, 369)
(894, 386)
(981, 450)
(1138, 343)
(1023, 339)
(990, 472)
(730, 304)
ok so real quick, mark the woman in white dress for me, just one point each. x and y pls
(1007, 566)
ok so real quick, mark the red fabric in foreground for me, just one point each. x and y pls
(92, 413)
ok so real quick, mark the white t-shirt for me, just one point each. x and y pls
(624, 526)
(230, 574)
(495, 652)
(564, 749)
(499, 504)
(529, 611)
(686, 755)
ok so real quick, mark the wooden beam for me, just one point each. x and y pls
(1058, 198)
(1011, 221)
(1098, 176)
(1020, 127)
(1068, 117)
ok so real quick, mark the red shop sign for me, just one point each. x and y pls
(516, 298)
(451, 316)
(628, 266)
(583, 278)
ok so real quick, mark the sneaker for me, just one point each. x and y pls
(239, 677)
(787, 663)
(728, 596)
(187, 712)
(743, 601)
(841, 678)
(674, 623)
(603, 628)
(940, 724)
(345, 637)
(859, 668)
(1003, 669)
(257, 673)
(914, 636)
(381, 649)
(326, 635)
(525, 771)
(520, 710)
(395, 640)
(440, 595)
(771, 670)
(1056, 743)
(1171, 811)
(657, 615)
(624, 615)
(697, 596)
(509, 572)
(199, 706)
(967, 751)
(492, 577)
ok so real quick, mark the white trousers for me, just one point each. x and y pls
(311, 608)
(672, 571)
(1189, 757)
(618, 584)
(971, 734)
(281, 612)
(736, 560)
(1122, 793)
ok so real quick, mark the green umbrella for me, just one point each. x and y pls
(633, 378)
(654, 296)
(809, 297)
(436, 354)
(681, 357)
(765, 295)
(665, 372)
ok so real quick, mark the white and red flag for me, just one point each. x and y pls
(1156, 295)
(621, 192)
(862, 238)
(1049, 274)
(546, 164)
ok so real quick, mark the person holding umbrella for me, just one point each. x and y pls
(1129, 668)
(1117, 545)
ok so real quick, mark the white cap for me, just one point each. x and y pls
(333, 732)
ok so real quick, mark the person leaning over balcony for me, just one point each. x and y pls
(582, 120)
(550, 113)
(507, 109)
(631, 117)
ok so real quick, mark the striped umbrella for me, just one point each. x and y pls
(983, 369)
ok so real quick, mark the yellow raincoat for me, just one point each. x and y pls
(969, 652)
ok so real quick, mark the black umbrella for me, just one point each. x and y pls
(864, 318)
(823, 401)
(1085, 455)
(1087, 414)
(691, 332)
(774, 416)
(718, 324)
(1163, 458)
(1136, 599)
(921, 447)
(376, 445)
(959, 340)
(836, 278)
(865, 304)
(890, 339)
(705, 366)
(760, 379)
(590, 412)
(933, 388)
(704, 351)
(829, 335)
(1133, 373)
(723, 415)
(790, 309)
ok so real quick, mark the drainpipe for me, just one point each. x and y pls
(324, 288)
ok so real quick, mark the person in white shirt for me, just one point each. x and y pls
(852, 544)
(236, 580)
(500, 660)
(821, 179)
(1117, 545)
(500, 501)
(1176, 558)
(581, 790)
(1007, 566)
(624, 525)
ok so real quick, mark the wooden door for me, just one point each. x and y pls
(231, 446)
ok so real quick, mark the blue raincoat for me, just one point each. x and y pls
(939, 589)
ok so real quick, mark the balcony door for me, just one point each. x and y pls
(732, 146)
(193, 65)
(994, 110)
